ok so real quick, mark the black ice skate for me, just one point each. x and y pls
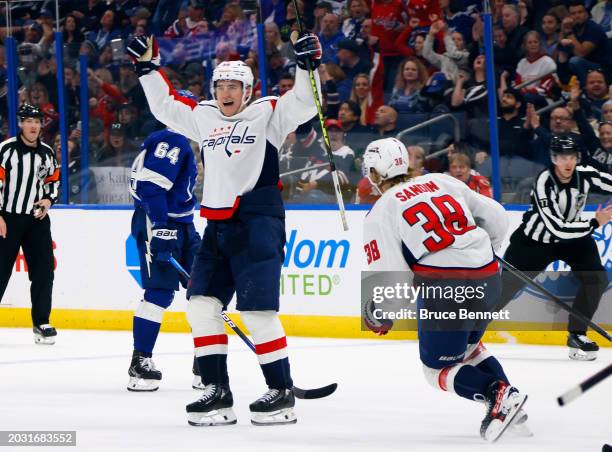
(275, 407)
(581, 348)
(197, 376)
(214, 407)
(144, 377)
(504, 403)
(44, 334)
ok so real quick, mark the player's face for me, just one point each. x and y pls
(565, 166)
(460, 171)
(229, 95)
(30, 128)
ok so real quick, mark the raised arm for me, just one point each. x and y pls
(166, 104)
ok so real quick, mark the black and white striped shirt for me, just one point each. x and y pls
(27, 175)
(556, 208)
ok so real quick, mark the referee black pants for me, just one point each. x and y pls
(580, 254)
(34, 237)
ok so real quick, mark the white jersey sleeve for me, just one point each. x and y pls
(295, 107)
(169, 107)
(381, 243)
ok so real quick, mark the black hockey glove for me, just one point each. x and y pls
(307, 48)
(163, 243)
(144, 53)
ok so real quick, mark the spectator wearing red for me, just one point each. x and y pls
(106, 97)
(39, 97)
(388, 21)
(460, 168)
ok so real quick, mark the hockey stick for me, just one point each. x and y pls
(303, 170)
(578, 315)
(328, 149)
(583, 387)
(316, 393)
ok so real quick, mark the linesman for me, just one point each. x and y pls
(29, 186)
(553, 229)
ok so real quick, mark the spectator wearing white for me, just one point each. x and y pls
(352, 25)
(602, 16)
(455, 56)
(534, 65)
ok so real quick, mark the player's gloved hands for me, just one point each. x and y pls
(163, 243)
(307, 48)
(144, 53)
(377, 326)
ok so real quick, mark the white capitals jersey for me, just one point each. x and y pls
(239, 152)
(433, 223)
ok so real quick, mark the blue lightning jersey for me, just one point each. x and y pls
(164, 177)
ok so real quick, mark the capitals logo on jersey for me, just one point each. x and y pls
(229, 138)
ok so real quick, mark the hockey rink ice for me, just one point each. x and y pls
(382, 403)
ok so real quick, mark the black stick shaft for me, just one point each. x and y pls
(587, 384)
(553, 297)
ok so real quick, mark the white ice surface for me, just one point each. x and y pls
(382, 404)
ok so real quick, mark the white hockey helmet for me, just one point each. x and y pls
(388, 157)
(234, 70)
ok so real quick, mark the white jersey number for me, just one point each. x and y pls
(161, 151)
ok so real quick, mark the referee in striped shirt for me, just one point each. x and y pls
(552, 229)
(29, 185)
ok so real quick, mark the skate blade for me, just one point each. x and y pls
(279, 417)
(141, 385)
(224, 416)
(197, 383)
(41, 340)
(492, 435)
(579, 355)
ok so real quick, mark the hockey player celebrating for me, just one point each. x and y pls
(162, 185)
(242, 246)
(552, 229)
(436, 227)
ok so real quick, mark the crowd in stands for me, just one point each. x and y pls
(388, 65)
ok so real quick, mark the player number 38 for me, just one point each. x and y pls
(441, 233)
